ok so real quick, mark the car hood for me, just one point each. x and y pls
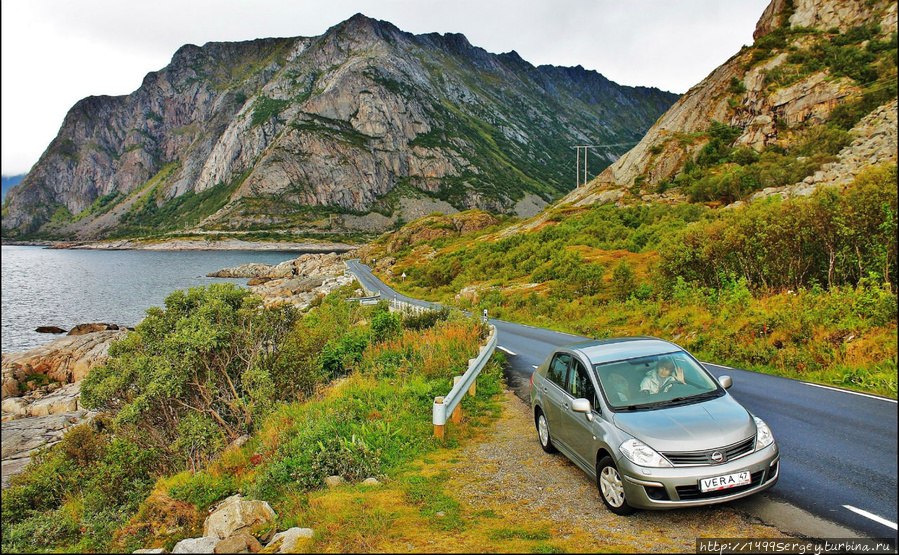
(705, 425)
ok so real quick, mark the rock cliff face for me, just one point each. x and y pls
(286, 133)
(810, 57)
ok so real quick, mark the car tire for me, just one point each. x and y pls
(546, 440)
(611, 487)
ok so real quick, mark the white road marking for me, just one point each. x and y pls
(505, 350)
(873, 517)
(850, 392)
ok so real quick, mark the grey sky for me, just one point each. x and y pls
(56, 52)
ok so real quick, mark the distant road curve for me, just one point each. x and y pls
(838, 447)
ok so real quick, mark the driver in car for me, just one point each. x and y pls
(662, 378)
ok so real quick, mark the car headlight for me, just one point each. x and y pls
(763, 437)
(641, 454)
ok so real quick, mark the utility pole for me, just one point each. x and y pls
(577, 165)
(577, 168)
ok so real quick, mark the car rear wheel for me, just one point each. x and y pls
(546, 441)
(611, 488)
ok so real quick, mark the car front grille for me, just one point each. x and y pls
(705, 458)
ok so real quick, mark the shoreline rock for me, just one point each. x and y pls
(35, 415)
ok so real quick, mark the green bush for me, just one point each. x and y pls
(204, 490)
(385, 325)
(191, 358)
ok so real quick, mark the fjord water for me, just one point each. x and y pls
(64, 288)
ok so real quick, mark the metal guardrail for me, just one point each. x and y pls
(365, 300)
(450, 404)
(408, 308)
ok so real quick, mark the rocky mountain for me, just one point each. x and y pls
(809, 104)
(9, 182)
(358, 128)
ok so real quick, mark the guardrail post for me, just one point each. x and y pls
(457, 412)
(438, 428)
(473, 389)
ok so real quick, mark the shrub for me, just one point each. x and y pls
(425, 320)
(190, 358)
(385, 325)
(204, 490)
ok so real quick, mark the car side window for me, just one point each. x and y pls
(580, 386)
(558, 369)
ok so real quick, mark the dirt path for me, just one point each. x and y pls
(509, 474)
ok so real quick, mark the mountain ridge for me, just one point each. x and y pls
(353, 126)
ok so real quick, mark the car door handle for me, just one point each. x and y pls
(565, 405)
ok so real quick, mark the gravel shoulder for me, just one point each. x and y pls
(508, 474)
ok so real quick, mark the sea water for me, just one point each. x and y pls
(67, 287)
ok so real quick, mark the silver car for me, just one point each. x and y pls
(650, 424)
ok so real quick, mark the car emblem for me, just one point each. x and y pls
(717, 457)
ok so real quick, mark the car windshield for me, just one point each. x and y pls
(655, 381)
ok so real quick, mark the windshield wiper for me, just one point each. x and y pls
(691, 399)
(644, 406)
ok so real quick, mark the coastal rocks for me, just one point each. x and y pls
(21, 438)
(49, 329)
(82, 329)
(64, 360)
(298, 282)
(40, 393)
(252, 270)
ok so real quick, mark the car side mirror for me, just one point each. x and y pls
(582, 405)
(725, 382)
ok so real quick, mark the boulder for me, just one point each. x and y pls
(82, 329)
(196, 545)
(239, 543)
(49, 329)
(15, 405)
(236, 515)
(286, 541)
(61, 401)
(10, 387)
(334, 481)
(67, 359)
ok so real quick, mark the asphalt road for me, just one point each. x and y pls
(838, 448)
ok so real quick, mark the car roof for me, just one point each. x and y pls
(599, 351)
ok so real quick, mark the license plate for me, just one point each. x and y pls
(724, 482)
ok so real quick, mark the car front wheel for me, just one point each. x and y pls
(546, 441)
(611, 488)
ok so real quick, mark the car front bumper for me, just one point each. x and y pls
(669, 488)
